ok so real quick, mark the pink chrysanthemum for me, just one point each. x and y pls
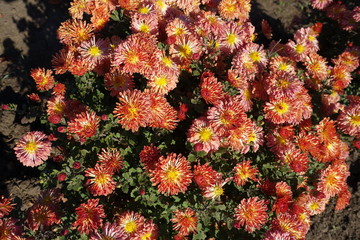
(43, 78)
(172, 174)
(117, 81)
(33, 149)
(185, 221)
(203, 136)
(216, 190)
(320, 4)
(149, 231)
(133, 110)
(84, 124)
(94, 51)
(163, 80)
(333, 179)
(89, 216)
(349, 120)
(251, 213)
(101, 182)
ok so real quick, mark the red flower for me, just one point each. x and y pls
(84, 124)
(185, 221)
(251, 213)
(101, 182)
(89, 216)
(5, 206)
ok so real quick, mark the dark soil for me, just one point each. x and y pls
(28, 39)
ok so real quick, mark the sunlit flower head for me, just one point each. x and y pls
(205, 176)
(74, 32)
(235, 9)
(89, 216)
(117, 81)
(172, 174)
(130, 222)
(94, 51)
(333, 179)
(251, 213)
(133, 110)
(145, 23)
(320, 4)
(216, 190)
(349, 120)
(203, 136)
(185, 221)
(33, 149)
(163, 80)
(149, 231)
(231, 37)
(100, 182)
(211, 88)
(290, 224)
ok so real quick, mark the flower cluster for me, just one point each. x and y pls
(184, 116)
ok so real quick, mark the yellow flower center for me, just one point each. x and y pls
(101, 178)
(31, 147)
(94, 51)
(231, 8)
(133, 111)
(283, 83)
(167, 61)
(355, 120)
(205, 134)
(179, 31)
(144, 10)
(314, 206)
(311, 38)
(144, 28)
(299, 49)
(133, 58)
(161, 81)
(172, 174)
(218, 191)
(281, 107)
(283, 67)
(185, 51)
(255, 56)
(130, 227)
(232, 39)
(251, 138)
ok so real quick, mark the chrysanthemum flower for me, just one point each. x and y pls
(177, 27)
(56, 106)
(43, 78)
(94, 51)
(149, 231)
(238, 137)
(290, 224)
(255, 138)
(84, 124)
(282, 110)
(283, 84)
(333, 179)
(349, 120)
(149, 156)
(211, 88)
(251, 213)
(117, 81)
(172, 174)
(347, 59)
(279, 63)
(226, 115)
(185, 48)
(9, 229)
(320, 4)
(33, 149)
(42, 215)
(111, 159)
(162, 114)
(215, 191)
(145, 23)
(185, 221)
(313, 204)
(316, 66)
(231, 37)
(101, 182)
(89, 216)
(235, 9)
(130, 222)
(343, 199)
(277, 235)
(74, 32)
(133, 110)
(5, 206)
(51, 197)
(205, 176)
(109, 231)
(293, 157)
(203, 136)
(244, 172)
(163, 80)
(297, 51)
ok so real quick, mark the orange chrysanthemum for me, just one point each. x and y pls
(84, 124)
(203, 136)
(251, 213)
(205, 176)
(130, 222)
(211, 89)
(133, 110)
(111, 159)
(244, 172)
(43, 78)
(5, 206)
(42, 215)
(117, 81)
(172, 174)
(333, 179)
(101, 182)
(349, 120)
(185, 221)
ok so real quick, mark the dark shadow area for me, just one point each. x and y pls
(38, 25)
